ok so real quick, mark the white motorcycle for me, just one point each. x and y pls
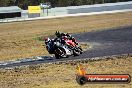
(60, 50)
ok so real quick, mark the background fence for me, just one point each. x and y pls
(62, 11)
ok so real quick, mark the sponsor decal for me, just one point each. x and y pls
(82, 77)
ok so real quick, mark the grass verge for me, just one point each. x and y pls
(63, 76)
(19, 39)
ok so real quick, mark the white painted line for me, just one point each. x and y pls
(3, 63)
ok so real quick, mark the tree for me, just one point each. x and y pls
(54, 3)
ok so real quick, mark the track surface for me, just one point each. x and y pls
(108, 42)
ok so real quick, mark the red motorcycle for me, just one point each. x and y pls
(72, 45)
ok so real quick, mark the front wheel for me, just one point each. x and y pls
(80, 50)
(57, 56)
(60, 53)
(76, 53)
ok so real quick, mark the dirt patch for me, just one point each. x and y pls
(18, 39)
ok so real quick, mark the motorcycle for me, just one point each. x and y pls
(55, 47)
(72, 45)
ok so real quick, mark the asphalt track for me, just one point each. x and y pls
(103, 43)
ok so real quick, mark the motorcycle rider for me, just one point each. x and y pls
(51, 43)
(61, 40)
(62, 35)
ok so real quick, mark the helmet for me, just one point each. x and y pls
(63, 34)
(67, 34)
(57, 33)
(47, 40)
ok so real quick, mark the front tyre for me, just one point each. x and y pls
(60, 53)
(76, 53)
(57, 56)
(80, 50)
